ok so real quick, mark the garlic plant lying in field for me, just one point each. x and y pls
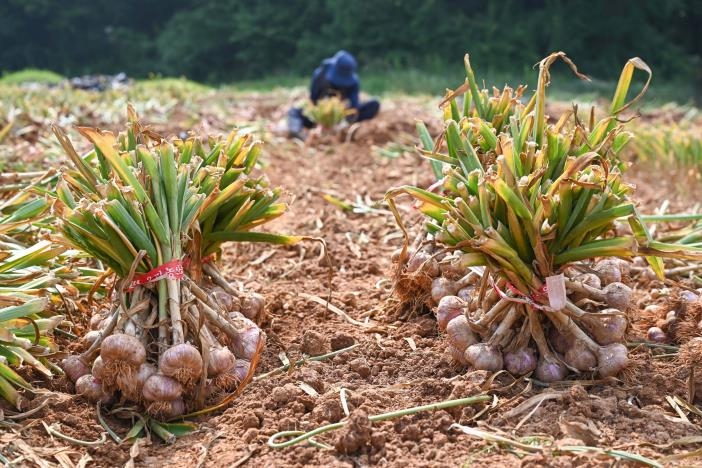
(26, 319)
(669, 143)
(34, 283)
(177, 336)
(523, 209)
(328, 112)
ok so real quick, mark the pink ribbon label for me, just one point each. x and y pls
(172, 270)
(532, 300)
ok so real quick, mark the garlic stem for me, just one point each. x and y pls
(173, 286)
(192, 318)
(563, 322)
(467, 280)
(130, 328)
(162, 315)
(218, 279)
(537, 333)
(214, 315)
(202, 296)
(91, 352)
(504, 331)
(151, 318)
(583, 288)
(219, 321)
(523, 336)
(207, 341)
(492, 314)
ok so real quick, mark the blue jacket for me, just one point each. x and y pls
(321, 88)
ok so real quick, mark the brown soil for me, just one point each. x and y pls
(397, 365)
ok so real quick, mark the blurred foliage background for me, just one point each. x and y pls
(219, 41)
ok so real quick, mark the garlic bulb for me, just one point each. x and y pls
(122, 355)
(617, 295)
(98, 368)
(423, 262)
(124, 348)
(460, 334)
(145, 371)
(548, 370)
(182, 362)
(442, 287)
(91, 388)
(177, 408)
(449, 307)
(252, 306)
(579, 357)
(74, 367)
(612, 359)
(91, 336)
(225, 300)
(521, 361)
(241, 369)
(483, 356)
(221, 360)
(246, 343)
(608, 270)
(159, 387)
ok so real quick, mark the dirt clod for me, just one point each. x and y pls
(356, 435)
(286, 393)
(360, 366)
(341, 341)
(250, 435)
(411, 432)
(314, 343)
(250, 420)
(328, 408)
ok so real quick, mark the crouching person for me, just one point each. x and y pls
(335, 76)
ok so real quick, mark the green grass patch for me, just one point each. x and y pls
(31, 75)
